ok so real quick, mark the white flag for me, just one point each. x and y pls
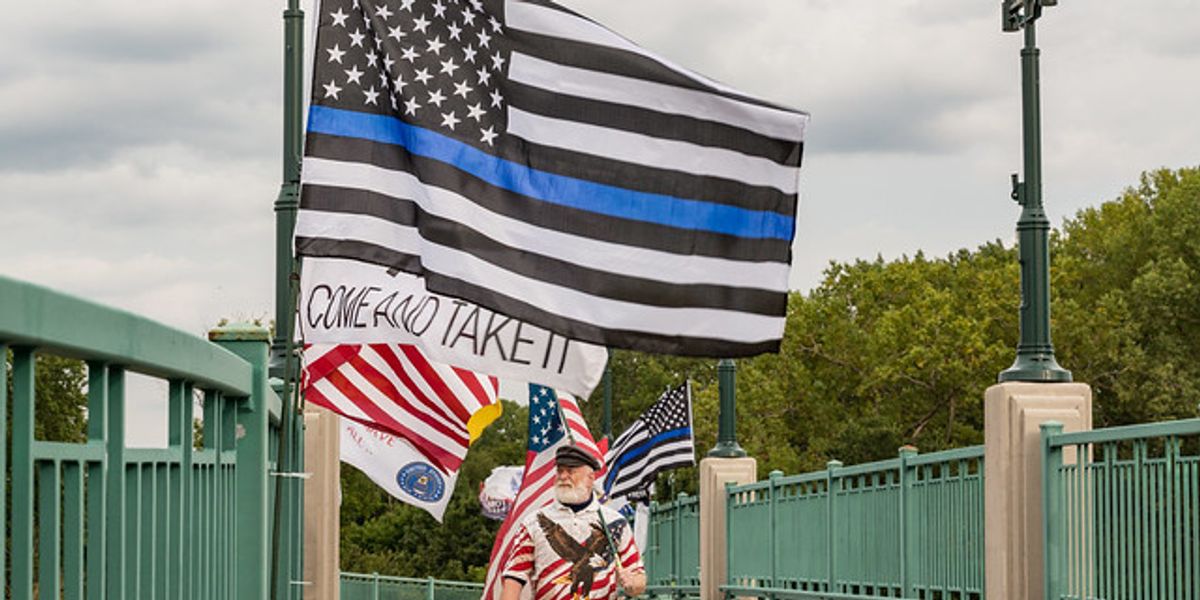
(350, 302)
(498, 492)
(396, 466)
(637, 513)
(641, 526)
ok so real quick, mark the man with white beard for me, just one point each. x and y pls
(565, 551)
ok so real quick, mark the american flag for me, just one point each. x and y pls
(523, 157)
(659, 440)
(546, 434)
(394, 388)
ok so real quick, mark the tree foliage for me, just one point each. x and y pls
(60, 405)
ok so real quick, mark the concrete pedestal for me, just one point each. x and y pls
(1013, 478)
(322, 504)
(714, 474)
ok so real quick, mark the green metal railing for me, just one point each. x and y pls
(101, 520)
(1122, 511)
(910, 527)
(359, 586)
(672, 555)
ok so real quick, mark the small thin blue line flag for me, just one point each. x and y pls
(524, 158)
(659, 440)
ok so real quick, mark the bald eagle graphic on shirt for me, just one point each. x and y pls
(579, 555)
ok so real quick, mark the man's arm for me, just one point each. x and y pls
(511, 588)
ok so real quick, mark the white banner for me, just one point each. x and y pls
(498, 492)
(396, 466)
(350, 302)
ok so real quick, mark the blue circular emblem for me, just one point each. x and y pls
(421, 481)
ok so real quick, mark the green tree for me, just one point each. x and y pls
(60, 388)
(1128, 299)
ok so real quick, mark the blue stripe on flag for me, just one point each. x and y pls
(567, 191)
(640, 449)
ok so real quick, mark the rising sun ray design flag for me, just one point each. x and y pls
(547, 433)
(395, 389)
(525, 158)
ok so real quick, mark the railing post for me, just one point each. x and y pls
(97, 432)
(677, 555)
(1014, 561)
(3, 457)
(22, 473)
(830, 526)
(375, 588)
(179, 438)
(114, 482)
(653, 544)
(907, 547)
(429, 590)
(253, 520)
(773, 483)
(1052, 460)
(715, 474)
(728, 535)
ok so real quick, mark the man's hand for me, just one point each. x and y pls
(634, 583)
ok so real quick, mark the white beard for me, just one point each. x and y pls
(572, 494)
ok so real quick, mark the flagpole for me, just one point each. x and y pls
(608, 535)
(562, 419)
(286, 269)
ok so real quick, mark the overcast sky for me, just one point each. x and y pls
(139, 141)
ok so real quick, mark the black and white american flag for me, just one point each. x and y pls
(523, 157)
(659, 440)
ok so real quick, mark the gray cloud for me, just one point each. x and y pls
(139, 142)
(125, 75)
(125, 43)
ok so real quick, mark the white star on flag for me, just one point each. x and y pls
(421, 24)
(339, 18)
(335, 54)
(436, 97)
(436, 45)
(332, 90)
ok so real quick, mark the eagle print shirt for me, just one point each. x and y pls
(561, 554)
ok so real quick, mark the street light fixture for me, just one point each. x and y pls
(1035, 353)
(1016, 13)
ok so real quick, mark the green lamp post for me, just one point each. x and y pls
(727, 446)
(1035, 353)
(288, 201)
(283, 362)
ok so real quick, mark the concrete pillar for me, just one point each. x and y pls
(322, 503)
(714, 474)
(1013, 478)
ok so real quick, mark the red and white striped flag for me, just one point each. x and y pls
(396, 389)
(546, 434)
